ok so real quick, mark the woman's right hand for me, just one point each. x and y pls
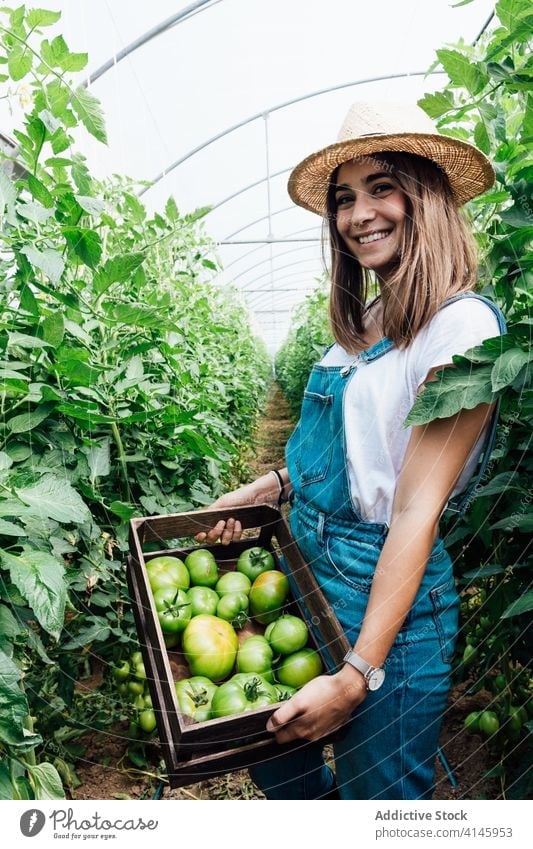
(264, 490)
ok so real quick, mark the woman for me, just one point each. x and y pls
(368, 492)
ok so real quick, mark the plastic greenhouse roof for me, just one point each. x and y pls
(223, 62)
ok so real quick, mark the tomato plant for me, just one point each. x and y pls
(210, 647)
(253, 561)
(268, 594)
(202, 567)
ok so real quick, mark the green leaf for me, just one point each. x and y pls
(19, 62)
(86, 244)
(9, 529)
(27, 421)
(504, 482)
(98, 458)
(481, 137)
(88, 109)
(9, 627)
(23, 340)
(33, 211)
(41, 18)
(137, 315)
(45, 781)
(6, 788)
(122, 510)
(510, 12)
(54, 498)
(437, 104)
(57, 55)
(8, 194)
(39, 578)
(92, 206)
(517, 215)
(28, 301)
(87, 413)
(97, 631)
(507, 367)
(519, 605)
(13, 704)
(461, 387)
(40, 192)
(462, 71)
(50, 262)
(117, 270)
(53, 328)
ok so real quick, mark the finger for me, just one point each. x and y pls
(282, 716)
(227, 533)
(237, 531)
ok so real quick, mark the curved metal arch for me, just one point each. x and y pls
(274, 270)
(265, 112)
(286, 277)
(267, 260)
(168, 23)
(258, 221)
(254, 250)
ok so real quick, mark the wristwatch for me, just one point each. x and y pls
(374, 675)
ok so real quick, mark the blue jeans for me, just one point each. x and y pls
(389, 747)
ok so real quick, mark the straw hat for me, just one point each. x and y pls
(371, 128)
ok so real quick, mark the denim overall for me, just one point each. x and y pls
(388, 749)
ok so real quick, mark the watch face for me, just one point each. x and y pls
(376, 679)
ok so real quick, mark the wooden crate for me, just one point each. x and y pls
(195, 751)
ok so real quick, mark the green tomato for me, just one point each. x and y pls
(233, 582)
(233, 607)
(299, 668)
(489, 723)
(210, 647)
(287, 634)
(469, 655)
(267, 596)
(500, 683)
(202, 567)
(255, 655)
(471, 722)
(123, 688)
(173, 609)
(203, 600)
(136, 658)
(135, 688)
(167, 571)
(140, 672)
(195, 696)
(171, 640)
(284, 691)
(122, 672)
(147, 721)
(245, 691)
(253, 561)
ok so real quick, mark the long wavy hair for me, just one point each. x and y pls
(437, 257)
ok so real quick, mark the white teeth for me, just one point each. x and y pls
(374, 237)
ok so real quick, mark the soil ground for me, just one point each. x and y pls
(107, 773)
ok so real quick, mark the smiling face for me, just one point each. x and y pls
(370, 214)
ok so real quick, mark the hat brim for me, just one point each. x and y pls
(468, 170)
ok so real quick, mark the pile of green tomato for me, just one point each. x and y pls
(200, 611)
(130, 676)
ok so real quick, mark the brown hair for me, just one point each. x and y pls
(437, 257)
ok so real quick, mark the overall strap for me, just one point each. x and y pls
(461, 501)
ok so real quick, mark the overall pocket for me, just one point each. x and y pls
(312, 441)
(445, 601)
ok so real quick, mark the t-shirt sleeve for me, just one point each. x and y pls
(456, 328)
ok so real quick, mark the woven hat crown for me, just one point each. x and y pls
(390, 127)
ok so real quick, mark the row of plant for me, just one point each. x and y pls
(306, 341)
(486, 100)
(129, 384)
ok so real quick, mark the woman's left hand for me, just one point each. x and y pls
(319, 708)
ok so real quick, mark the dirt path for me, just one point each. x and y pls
(108, 774)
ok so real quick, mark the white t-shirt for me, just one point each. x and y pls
(380, 394)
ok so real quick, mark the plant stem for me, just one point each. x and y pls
(122, 461)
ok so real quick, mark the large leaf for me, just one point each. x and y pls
(9, 529)
(98, 458)
(45, 781)
(54, 498)
(41, 18)
(116, 270)
(87, 108)
(86, 244)
(27, 421)
(19, 62)
(519, 605)
(50, 262)
(9, 627)
(39, 578)
(461, 70)
(503, 482)
(13, 706)
(6, 788)
(454, 389)
(57, 55)
(507, 367)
